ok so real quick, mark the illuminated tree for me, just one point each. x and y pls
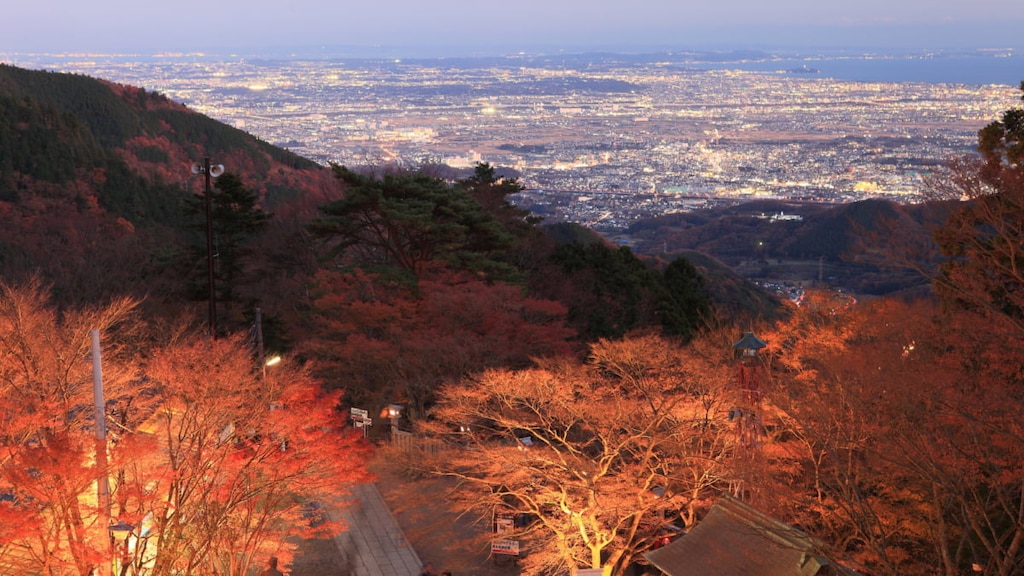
(970, 452)
(598, 460)
(236, 458)
(959, 433)
(211, 462)
(834, 369)
(903, 420)
(394, 342)
(48, 468)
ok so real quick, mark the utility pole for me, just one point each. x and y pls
(209, 172)
(102, 481)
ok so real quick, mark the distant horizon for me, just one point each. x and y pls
(965, 65)
(439, 51)
(452, 51)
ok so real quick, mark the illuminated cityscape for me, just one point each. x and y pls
(600, 140)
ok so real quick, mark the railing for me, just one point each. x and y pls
(411, 442)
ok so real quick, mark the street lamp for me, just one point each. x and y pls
(748, 346)
(394, 412)
(748, 409)
(209, 171)
(120, 533)
(272, 361)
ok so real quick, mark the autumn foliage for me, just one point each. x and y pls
(598, 460)
(391, 341)
(574, 389)
(212, 463)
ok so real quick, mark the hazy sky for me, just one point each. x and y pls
(481, 26)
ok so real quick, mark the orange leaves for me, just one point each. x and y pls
(603, 454)
(50, 467)
(394, 341)
(912, 441)
(211, 457)
(238, 454)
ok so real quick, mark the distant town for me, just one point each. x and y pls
(599, 141)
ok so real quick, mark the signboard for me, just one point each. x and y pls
(509, 547)
(588, 572)
(503, 523)
(360, 419)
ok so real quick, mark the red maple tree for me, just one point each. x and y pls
(214, 464)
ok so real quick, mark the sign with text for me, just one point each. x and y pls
(503, 523)
(360, 419)
(509, 547)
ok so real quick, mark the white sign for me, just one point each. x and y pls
(510, 547)
(503, 524)
(589, 572)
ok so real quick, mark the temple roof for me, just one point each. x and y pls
(735, 539)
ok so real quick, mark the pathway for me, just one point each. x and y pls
(374, 544)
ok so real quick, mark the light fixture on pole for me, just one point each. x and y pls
(272, 361)
(393, 412)
(120, 533)
(747, 380)
(210, 172)
(747, 412)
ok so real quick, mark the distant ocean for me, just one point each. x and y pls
(971, 67)
(941, 69)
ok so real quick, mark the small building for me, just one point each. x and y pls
(735, 539)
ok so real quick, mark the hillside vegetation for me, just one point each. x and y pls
(863, 247)
(601, 398)
(127, 149)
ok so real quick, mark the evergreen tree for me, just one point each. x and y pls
(408, 220)
(685, 306)
(609, 290)
(982, 239)
(237, 218)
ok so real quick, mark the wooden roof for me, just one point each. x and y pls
(735, 539)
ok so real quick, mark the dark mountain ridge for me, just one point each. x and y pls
(126, 150)
(94, 175)
(869, 247)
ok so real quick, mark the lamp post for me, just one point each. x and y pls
(120, 533)
(261, 354)
(394, 411)
(210, 172)
(747, 411)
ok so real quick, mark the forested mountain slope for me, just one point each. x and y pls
(125, 149)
